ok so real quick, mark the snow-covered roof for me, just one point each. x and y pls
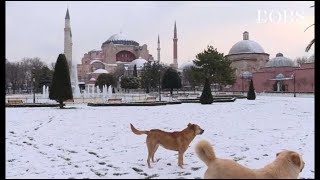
(280, 61)
(99, 71)
(138, 62)
(246, 46)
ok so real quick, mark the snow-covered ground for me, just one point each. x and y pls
(96, 142)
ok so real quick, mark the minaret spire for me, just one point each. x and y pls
(68, 40)
(67, 14)
(175, 47)
(158, 49)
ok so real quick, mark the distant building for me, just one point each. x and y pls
(278, 74)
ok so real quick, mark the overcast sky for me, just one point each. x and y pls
(36, 29)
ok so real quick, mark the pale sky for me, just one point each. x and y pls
(36, 29)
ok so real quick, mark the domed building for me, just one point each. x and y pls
(247, 55)
(280, 74)
(280, 61)
(117, 51)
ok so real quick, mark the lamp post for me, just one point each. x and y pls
(294, 84)
(159, 85)
(34, 93)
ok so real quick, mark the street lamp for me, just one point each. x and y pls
(159, 85)
(34, 93)
(294, 84)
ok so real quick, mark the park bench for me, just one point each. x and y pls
(115, 100)
(151, 98)
(15, 101)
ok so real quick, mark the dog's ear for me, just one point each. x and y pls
(189, 124)
(295, 158)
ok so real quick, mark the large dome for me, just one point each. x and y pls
(138, 62)
(120, 39)
(280, 61)
(246, 46)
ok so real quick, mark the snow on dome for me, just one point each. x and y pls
(100, 71)
(138, 62)
(246, 74)
(280, 76)
(120, 39)
(96, 60)
(186, 65)
(280, 61)
(119, 36)
(246, 46)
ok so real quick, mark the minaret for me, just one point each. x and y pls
(158, 49)
(68, 40)
(175, 48)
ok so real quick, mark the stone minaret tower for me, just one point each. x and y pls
(175, 48)
(158, 49)
(68, 40)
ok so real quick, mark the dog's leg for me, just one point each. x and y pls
(150, 150)
(154, 151)
(180, 159)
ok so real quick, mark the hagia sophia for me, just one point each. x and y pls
(251, 61)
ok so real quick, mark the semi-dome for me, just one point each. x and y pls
(246, 46)
(138, 62)
(96, 60)
(100, 71)
(120, 39)
(280, 61)
(92, 79)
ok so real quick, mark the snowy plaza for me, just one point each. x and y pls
(97, 142)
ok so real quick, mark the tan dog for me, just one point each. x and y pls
(288, 164)
(176, 141)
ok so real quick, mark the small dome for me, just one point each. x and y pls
(246, 74)
(92, 79)
(246, 46)
(280, 76)
(100, 71)
(138, 62)
(280, 61)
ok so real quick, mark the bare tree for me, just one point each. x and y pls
(301, 60)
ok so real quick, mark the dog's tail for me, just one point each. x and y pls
(205, 151)
(137, 132)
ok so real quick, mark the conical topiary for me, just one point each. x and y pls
(206, 96)
(251, 94)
